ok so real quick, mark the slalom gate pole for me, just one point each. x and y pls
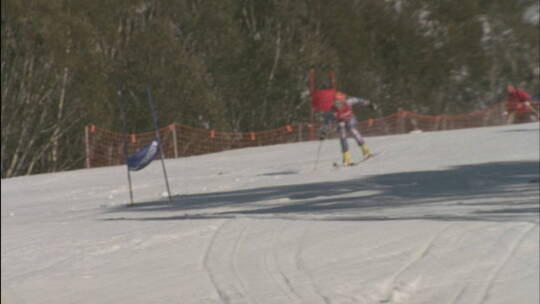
(154, 119)
(123, 113)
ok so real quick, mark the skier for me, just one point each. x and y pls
(518, 104)
(341, 113)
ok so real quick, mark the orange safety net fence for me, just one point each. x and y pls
(106, 148)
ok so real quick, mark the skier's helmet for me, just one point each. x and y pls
(340, 96)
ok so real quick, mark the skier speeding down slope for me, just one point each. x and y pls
(341, 113)
(518, 105)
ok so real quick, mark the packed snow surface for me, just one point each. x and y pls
(436, 217)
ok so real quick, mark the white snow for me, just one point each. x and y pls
(437, 217)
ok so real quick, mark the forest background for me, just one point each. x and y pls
(242, 65)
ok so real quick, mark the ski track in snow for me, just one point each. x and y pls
(274, 269)
(288, 262)
(465, 285)
(221, 264)
(234, 261)
(281, 275)
(458, 298)
(206, 257)
(301, 269)
(397, 289)
(484, 293)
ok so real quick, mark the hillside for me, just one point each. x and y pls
(437, 217)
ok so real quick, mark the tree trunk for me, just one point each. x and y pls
(59, 116)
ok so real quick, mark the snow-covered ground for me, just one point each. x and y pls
(437, 217)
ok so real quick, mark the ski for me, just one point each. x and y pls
(353, 164)
(338, 165)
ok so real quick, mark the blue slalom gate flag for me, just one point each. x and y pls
(144, 156)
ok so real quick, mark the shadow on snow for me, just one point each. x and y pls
(490, 191)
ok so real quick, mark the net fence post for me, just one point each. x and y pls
(175, 141)
(87, 145)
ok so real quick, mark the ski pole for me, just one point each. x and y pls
(533, 110)
(318, 153)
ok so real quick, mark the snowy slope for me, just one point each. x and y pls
(438, 217)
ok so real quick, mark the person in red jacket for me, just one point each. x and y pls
(341, 113)
(518, 104)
